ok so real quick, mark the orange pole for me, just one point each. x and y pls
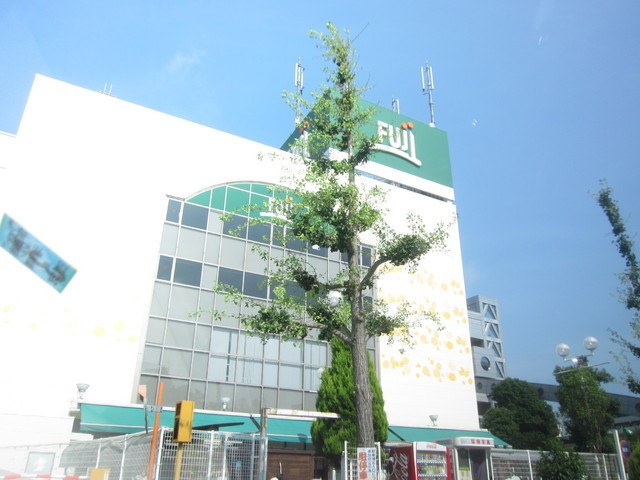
(156, 427)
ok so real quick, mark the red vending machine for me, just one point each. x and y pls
(420, 461)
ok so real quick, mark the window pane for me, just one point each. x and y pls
(224, 340)
(187, 272)
(179, 334)
(290, 351)
(165, 265)
(215, 224)
(173, 211)
(290, 376)
(184, 302)
(175, 390)
(296, 244)
(176, 362)
(222, 368)
(155, 330)
(203, 337)
(195, 216)
(255, 285)
(270, 374)
(312, 378)
(152, 385)
(366, 256)
(249, 371)
(232, 252)
(319, 266)
(254, 261)
(310, 401)
(169, 239)
(212, 250)
(247, 399)
(200, 363)
(236, 226)
(315, 353)
(205, 306)
(228, 276)
(269, 397)
(260, 232)
(160, 299)
(209, 277)
(191, 244)
(320, 251)
(272, 348)
(249, 346)
(215, 393)
(151, 359)
(289, 399)
(237, 200)
(197, 392)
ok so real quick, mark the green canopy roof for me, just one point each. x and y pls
(130, 419)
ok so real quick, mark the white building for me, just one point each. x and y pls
(131, 199)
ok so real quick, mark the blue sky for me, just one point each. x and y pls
(540, 100)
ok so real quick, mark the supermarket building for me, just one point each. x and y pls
(131, 199)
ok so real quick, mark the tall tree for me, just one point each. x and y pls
(521, 418)
(326, 205)
(336, 394)
(630, 279)
(587, 410)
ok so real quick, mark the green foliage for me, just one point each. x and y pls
(336, 394)
(587, 410)
(559, 464)
(521, 418)
(631, 287)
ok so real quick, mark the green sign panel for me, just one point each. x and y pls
(407, 145)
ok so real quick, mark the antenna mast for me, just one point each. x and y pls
(395, 105)
(427, 89)
(299, 84)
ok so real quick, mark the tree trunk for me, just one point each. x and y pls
(364, 398)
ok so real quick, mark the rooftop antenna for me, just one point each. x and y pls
(395, 105)
(299, 84)
(427, 89)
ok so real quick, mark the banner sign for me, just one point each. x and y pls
(403, 144)
(367, 464)
(34, 254)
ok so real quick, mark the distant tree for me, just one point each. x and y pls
(521, 418)
(337, 394)
(630, 279)
(557, 463)
(588, 412)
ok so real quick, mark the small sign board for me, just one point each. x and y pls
(34, 254)
(626, 448)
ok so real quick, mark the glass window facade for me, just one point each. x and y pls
(206, 240)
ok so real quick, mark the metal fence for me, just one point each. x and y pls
(506, 464)
(210, 455)
(352, 466)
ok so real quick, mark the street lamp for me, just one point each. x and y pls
(590, 343)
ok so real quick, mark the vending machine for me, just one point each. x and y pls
(419, 461)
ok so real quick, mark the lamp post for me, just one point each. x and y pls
(590, 343)
(581, 362)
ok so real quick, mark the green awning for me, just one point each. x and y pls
(120, 419)
(130, 419)
(416, 434)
